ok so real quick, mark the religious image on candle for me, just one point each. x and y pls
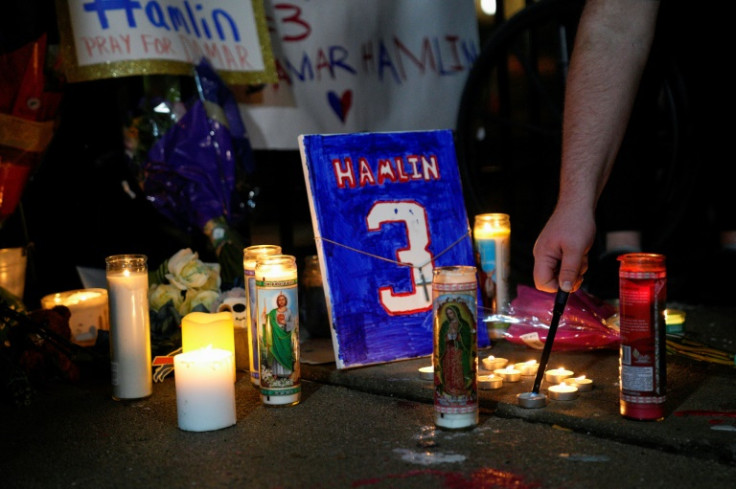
(278, 330)
(454, 357)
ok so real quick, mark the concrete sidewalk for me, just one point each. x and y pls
(373, 427)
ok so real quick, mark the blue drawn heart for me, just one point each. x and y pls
(340, 105)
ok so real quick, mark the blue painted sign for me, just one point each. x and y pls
(386, 209)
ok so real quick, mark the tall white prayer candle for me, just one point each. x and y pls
(250, 255)
(130, 328)
(278, 329)
(205, 393)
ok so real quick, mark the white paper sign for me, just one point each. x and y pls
(128, 35)
(351, 66)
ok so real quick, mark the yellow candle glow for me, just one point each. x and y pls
(202, 330)
(528, 368)
(557, 375)
(426, 373)
(492, 381)
(492, 363)
(582, 383)
(509, 374)
(562, 392)
(491, 233)
(89, 310)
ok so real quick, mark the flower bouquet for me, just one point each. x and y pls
(182, 284)
(192, 161)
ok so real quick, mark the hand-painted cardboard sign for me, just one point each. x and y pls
(386, 209)
(111, 38)
(382, 65)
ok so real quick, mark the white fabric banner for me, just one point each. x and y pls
(362, 65)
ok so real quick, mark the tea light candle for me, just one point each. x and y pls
(492, 363)
(205, 393)
(202, 330)
(562, 392)
(531, 400)
(508, 374)
(426, 373)
(557, 375)
(582, 383)
(89, 311)
(492, 381)
(528, 368)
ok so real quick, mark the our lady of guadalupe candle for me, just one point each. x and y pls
(454, 307)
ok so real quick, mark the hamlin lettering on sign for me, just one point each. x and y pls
(196, 20)
(396, 169)
(394, 61)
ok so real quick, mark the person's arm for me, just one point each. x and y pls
(611, 48)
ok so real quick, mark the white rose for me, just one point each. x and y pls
(160, 294)
(187, 271)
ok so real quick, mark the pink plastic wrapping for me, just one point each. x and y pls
(584, 325)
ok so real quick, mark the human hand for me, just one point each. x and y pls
(561, 250)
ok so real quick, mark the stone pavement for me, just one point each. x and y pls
(373, 427)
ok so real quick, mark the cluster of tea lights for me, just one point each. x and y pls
(563, 385)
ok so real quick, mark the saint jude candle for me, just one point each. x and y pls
(278, 329)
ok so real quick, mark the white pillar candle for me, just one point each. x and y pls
(130, 327)
(205, 393)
